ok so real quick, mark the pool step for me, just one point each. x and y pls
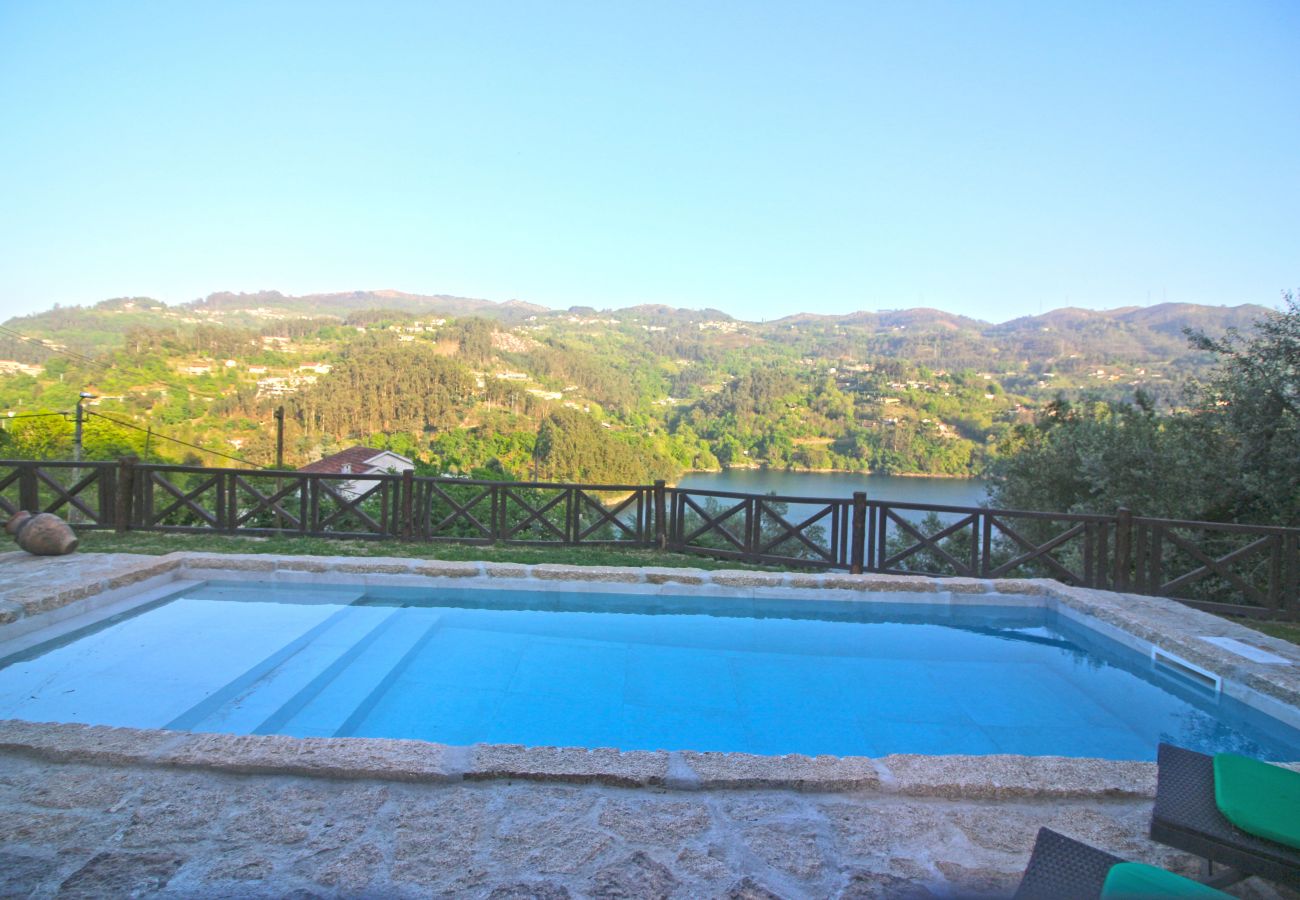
(328, 701)
(245, 702)
(366, 706)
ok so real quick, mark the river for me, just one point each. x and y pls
(942, 491)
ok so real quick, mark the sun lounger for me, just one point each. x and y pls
(1061, 868)
(1187, 817)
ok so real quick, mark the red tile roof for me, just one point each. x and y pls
(353, 456)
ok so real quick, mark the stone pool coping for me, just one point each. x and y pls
(1001, 777)
(57, 590)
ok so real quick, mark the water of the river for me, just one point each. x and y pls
(942, 491)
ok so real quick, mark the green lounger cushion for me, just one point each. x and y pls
(1258, 798)
(1134, 881)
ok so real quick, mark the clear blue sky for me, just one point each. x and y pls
(990, 159)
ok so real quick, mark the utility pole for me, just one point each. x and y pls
(74, 515)
(279, 437)
(279, 457)
(76, 432)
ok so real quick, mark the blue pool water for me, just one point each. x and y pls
(630, 671)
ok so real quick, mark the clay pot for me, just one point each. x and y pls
(43, 534)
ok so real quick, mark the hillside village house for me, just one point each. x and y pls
(359, 461)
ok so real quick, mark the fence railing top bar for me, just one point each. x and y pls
(1237, 527)
(776, 498)
(209, 470)
(61, 463)
(1054, 516)
(924, 507)
(267, 473)
(335, 476)
(551, 485)
(986, 510)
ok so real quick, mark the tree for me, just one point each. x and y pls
(1253, 402)
(1233, 455)
(102, 439)
(40, 437)
(474, 339)
(1095, 456)
(571, 446)
(380, 385)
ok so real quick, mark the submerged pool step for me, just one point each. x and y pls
(329, 700)
(245, 702)
(364, 709)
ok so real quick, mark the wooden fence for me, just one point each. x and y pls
(1242, 569)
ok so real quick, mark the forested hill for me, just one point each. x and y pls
(469, 385)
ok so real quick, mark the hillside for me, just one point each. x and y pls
(468, 385)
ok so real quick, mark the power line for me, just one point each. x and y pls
(44, 346)
(99, 364)
(158, 434)
(105, 367)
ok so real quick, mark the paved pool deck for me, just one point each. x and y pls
(76, 828)
(93, 811)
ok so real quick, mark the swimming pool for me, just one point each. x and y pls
(634, 671)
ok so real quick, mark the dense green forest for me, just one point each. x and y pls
(1231, 454)
(511, 390)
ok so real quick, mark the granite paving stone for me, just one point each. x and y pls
(89, 830)
(637, 877)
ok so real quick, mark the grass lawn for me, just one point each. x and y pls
(1287, 631)
(155, 543)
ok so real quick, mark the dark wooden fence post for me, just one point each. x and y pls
(985, 541)
(105, 495)
(29, 492)
(408, 501)
(125, 497)
(1276, 588)
(304, 504)
(858, 534)
(1156, 563)
(753, 529)
(661, 518)
(312, 486)
(1291, 555)
(1123, 547)
(225, 510)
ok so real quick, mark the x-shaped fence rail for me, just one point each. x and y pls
(1250, 569)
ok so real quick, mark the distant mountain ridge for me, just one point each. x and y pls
(1163, 317)
(1168, 318)
(342, 303)
(1129, 333)
(888, 318)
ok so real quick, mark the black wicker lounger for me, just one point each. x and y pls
(1186, 817)
(1064, 869)
(1061, 868)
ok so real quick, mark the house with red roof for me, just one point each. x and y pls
(359, 461)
